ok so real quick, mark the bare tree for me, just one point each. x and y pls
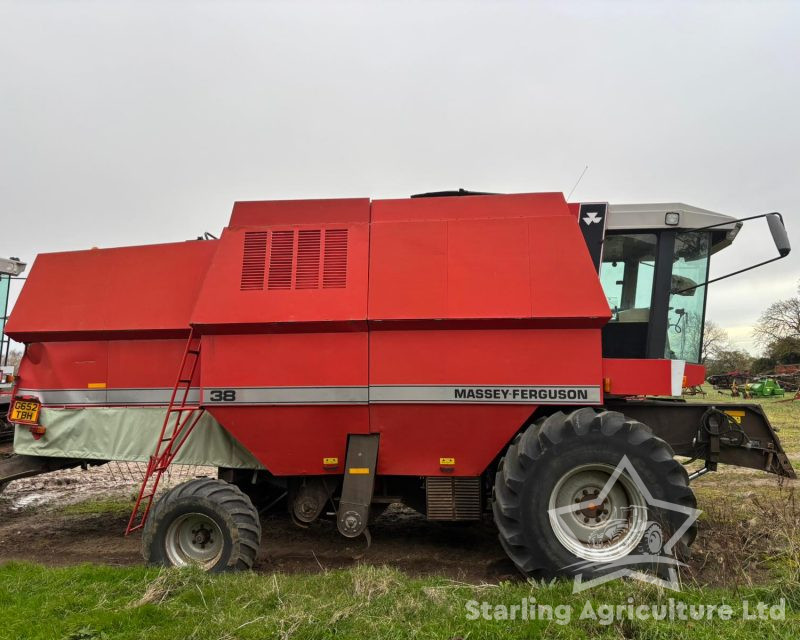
(14, 358)
(715, 341)
(781, 319)
(727, 360)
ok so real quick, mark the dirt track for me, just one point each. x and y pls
(400, 539)
(34, 527)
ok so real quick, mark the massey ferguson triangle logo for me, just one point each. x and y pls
(592, 217)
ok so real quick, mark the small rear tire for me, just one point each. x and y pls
(204, 522)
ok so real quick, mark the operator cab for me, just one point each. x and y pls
(651, 260)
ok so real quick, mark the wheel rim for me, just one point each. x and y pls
(194, 538)
(592, 529)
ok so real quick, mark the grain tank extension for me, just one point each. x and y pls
(461, 353)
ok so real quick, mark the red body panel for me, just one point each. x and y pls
(628, 377)
(293, 440)
(285, 360)
(440, 323)
(289, 440)
(489, 356)
(448, 357)
(64, 365)
(695, 375)
(481, 258)
(143, 291)
(265, 213)
(414, 437)
(141, 372)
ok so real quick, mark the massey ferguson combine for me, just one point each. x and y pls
(458, 352)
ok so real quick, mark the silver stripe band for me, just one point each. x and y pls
(66, 397)
(376, 394)
(477, 394)
(285, 395)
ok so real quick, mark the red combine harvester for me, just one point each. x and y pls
(456, 352)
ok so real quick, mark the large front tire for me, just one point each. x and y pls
(563, 462)
(205, 522)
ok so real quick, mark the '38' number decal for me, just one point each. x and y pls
(222, 395)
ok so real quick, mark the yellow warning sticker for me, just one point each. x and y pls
(447, 461)
(736, 415)
(330, 461)
(358, 471)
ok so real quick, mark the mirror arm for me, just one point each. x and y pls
(736, 273)
(728, 275)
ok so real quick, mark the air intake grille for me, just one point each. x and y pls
(255, 260)
(294, 266)
(280, 260)
(453, 498)
(335, 268)
(308, 247)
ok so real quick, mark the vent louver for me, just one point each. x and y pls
(280, 260)
(334, 274)
(254, 262)
(308, 250)
(453, 498)
(318, 259)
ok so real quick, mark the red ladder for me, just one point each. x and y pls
(170, 442)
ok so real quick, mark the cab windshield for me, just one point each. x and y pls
(648, 280)
(687, 308)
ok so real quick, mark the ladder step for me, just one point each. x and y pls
(168, 445)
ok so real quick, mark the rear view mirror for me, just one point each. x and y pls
(779, 235)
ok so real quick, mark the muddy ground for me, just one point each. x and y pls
(35, 527)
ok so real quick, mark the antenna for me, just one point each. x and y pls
(580, 177)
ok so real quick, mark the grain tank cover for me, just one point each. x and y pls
(145, 291)
(493, 257)
(346, 262)
(302, 261)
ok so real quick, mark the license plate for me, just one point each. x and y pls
(25, 411)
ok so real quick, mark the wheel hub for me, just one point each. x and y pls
(194, 538)
(595, 521)
(591, 507)
(202, 536)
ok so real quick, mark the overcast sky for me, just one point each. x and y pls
(135, 122)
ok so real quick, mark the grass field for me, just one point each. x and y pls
(371, 602)
(749, 549)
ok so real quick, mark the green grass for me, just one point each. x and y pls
(114, 506)
(365, 602)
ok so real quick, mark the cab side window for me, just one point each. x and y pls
(627, 273)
